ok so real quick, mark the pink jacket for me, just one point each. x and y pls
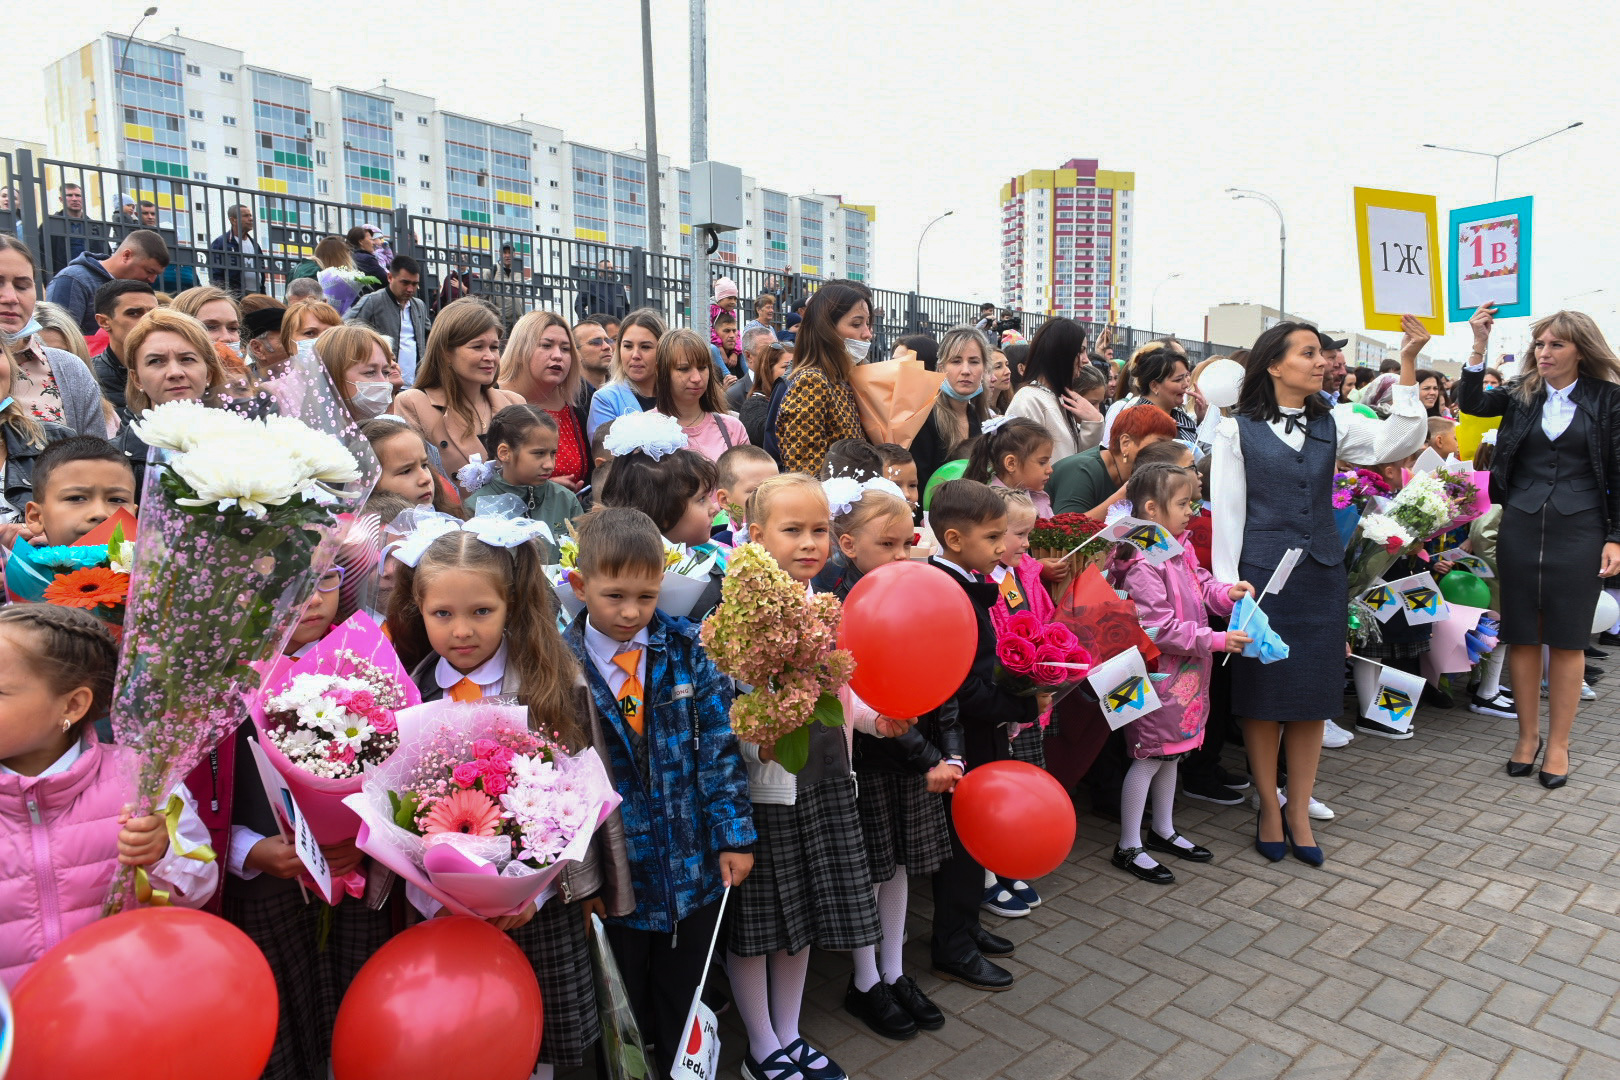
(1028, 573)
(1172, 599)
(59, 851)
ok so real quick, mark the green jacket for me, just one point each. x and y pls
(549, 502)
(308, 268)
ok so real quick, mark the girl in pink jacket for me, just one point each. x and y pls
(1173, 600)
(65, 825)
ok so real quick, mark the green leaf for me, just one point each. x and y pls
(635, 1064)
(793, 749)
(405, 812)
(828, 710)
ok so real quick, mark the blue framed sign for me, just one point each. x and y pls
(1490, 258)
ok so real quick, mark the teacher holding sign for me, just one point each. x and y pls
(1557, 475)
(1286, 438)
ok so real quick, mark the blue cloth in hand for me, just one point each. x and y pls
(1265, 645)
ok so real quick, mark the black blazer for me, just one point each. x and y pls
(1597, 398)
(983, 704)
(928, 450)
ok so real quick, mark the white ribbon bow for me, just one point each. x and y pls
(500, 524)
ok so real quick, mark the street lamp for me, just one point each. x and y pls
(123, 59)
(1496, 176)
(1153, 305)
(147, 14)
(1282, 244)
(926, 227)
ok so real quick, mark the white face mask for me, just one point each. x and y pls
(371, 399)
(857, 349)
(306, 347)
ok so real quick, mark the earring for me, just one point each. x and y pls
(67, 725)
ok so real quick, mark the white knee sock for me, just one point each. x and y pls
(788, 973)
(891, 905)
(750, 990)
(1490, 683)
(1133, 797)
(1164, 802)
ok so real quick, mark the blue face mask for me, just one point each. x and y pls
(945, 388)
(6, 404)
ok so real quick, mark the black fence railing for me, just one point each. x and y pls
(63, 208)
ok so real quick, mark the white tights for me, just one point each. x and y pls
(1157, 777)
(769, 991)
(891, 905)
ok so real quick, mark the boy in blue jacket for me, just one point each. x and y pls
(688, 821)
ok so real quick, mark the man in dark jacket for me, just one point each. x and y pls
(141, 257)
(236, 254)
(398, 315)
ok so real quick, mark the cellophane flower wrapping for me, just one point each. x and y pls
(769, 633)
(1028, 652)
(331, 714)
(514, 806)
(237, 525)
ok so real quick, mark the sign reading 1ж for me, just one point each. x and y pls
(1398, 240)
(1490, 258)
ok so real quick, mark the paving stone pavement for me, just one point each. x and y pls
(1466, 925)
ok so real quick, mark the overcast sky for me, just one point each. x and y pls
(922, 106)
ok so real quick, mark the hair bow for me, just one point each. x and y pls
(990, 425)
(1488, 437)
(499, 524)
(653, 433)
(476, 473)
(843, 492)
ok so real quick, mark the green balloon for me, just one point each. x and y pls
(951, 470)
(1364, 410)
(1469, 590)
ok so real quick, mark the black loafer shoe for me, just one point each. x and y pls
(976, 972)
(1125, 859)
(1596, 653)
(878, 1010)
(990, 944)
(915, 1002)
(1168, 846)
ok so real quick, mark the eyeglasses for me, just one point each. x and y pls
(331, 581)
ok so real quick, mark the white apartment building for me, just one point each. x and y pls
(180, 110)
(1066, 242)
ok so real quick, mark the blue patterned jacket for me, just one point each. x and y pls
(689, 801)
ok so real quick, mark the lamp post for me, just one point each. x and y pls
(123, 58)
(1282, 244)
(1153, 305)
(1496, 175)
(930, 225)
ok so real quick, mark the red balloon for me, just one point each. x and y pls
(157, 991)
(448, 997)
(1014, 819)
(913, 633)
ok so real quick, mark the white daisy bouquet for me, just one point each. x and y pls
(1422, 508)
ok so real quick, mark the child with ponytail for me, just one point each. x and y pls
(523, 439)
(1015, 453)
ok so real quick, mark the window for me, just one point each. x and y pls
(551, 149)
(226, 76)
(320, 129)
(233, 181)
(399, 115)
(423, 158)
(198, 144)
(200, 176)
(554, 183)
(427, 209)
(402, 155)
(230, 151)
(401, 179)
(323, 187)
(320, 157)
(228, 121)
(556, 232)
(193, 69)
(196, 114)
(555, 208)
(426, 186)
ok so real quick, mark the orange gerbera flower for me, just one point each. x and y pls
(91, 587)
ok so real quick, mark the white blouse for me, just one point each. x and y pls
(1363, 440)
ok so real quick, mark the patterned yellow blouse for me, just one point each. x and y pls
(813, 415)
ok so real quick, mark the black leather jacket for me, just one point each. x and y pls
(1597, 398)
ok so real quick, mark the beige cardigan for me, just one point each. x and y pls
(1035, 401)
(426, 410)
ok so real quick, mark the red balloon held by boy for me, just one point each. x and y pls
(1014, 819)
(913, 634)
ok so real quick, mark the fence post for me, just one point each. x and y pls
(638, 278)
(30, 214)
(913, 310)
(404, 238)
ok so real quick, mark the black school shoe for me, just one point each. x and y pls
(976, 972)
(989, 944)
(915, 1002)
(1168, 846)
(878, 1010)
(1207, 790)
(1125, 859)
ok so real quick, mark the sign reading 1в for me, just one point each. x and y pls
(1398, 237)
(1490, 258)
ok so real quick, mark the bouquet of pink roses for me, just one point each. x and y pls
(1033, 657)
(479, 812)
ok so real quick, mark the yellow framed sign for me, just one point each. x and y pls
(1398, 240)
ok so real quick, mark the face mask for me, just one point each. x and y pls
(945, 388)
(857, 349)
(306, 347)
(235, 347)
(6, 404)
(371, 399)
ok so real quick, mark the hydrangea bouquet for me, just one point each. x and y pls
(479, 812)
(770, 635)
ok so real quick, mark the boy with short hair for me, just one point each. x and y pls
(901, 467)
(742, 469)
(1443, 436)
(688, 821)
(969, 520)
(79, 482)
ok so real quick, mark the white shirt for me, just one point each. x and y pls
(1363, 440)
(1558, 412)
(488, 676)
(603, 649)
(967, 575)
(407, 345)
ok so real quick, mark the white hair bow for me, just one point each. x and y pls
(843, 492)
(653, 433)
(1488, 437)
(476, 473)
(992, 423)
(499, 523)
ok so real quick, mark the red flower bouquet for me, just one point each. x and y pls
(1055, 537)
(1033, 657)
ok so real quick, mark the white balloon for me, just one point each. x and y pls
(1608, 610)
(1220, 382)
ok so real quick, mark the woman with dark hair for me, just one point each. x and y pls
(923, 347)
(1047, 395)
(1160, 375)
(363, 243)
(1556, 472)
(769, 361)
(959, 408)
(1272, 491)
(815, 404)
(1432, 392)
(1017, 362)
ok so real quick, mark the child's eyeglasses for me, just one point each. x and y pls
(331, 581)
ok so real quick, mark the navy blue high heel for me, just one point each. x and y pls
(1277, 850)
(1310, 856)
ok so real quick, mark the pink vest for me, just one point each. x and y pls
(58, 851)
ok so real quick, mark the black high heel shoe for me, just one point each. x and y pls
(1522, 768)
(1551, 781)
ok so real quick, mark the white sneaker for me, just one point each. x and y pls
(1318, 810)
(1334, 736)
(1587, 693)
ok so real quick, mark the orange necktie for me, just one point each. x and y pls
(1009, 591)
(466, 690)
(630, 692)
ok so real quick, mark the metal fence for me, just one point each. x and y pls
(572, 277)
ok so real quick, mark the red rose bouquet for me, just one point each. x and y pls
(1033, 657)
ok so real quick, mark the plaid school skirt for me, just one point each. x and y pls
(1030, 745)
(354, 933)
(286, 929)
(903, 824)
(810, 884)
(554, 941)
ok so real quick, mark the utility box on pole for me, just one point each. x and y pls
(717, 197)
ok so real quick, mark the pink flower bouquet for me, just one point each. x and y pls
(479, 812)
(1033, 657)
(328, 716)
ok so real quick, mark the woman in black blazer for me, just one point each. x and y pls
(1557, 476)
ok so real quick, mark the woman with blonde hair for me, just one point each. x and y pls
(541, 366)
(169, 357)
(1556, 472)
(960, 407)
(455, 395)
(21, 439)
(688, 387)
(332, 253)
(306, 320)
(357, 358)
(221, 318)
